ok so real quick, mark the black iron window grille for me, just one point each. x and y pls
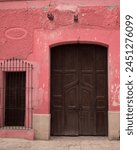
(15, 94)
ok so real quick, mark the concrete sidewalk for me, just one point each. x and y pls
(61, 143)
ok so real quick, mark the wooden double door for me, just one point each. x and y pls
(79, 90)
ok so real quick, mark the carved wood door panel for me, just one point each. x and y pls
(79, 90)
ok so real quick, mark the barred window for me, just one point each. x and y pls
(15, 94)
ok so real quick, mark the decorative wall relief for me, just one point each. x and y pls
(16, 33)
(16, 42)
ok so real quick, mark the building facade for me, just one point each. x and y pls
(59, 68)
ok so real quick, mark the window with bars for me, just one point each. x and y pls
(15, 94)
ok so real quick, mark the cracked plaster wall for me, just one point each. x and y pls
(19, 21)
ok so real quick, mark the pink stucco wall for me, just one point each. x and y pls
(27, 33)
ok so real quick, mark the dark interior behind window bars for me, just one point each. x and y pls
(16, 94)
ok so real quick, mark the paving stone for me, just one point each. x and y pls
(74, 148)
(60, 143)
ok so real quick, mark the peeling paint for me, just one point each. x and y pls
(115, 94)
(113, 6)
(98, 23)
(46, 8)
(114, 103)
(67, 7)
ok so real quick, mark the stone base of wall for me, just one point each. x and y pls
(41, 126)
(113, 125)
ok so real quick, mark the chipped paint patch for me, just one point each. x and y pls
(46, 8)
(111, 7)
(115, 89)
(66, 7)
(115, 103)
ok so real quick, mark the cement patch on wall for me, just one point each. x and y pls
(113, 125)
(41, 126)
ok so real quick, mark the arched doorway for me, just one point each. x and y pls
(79, 97)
